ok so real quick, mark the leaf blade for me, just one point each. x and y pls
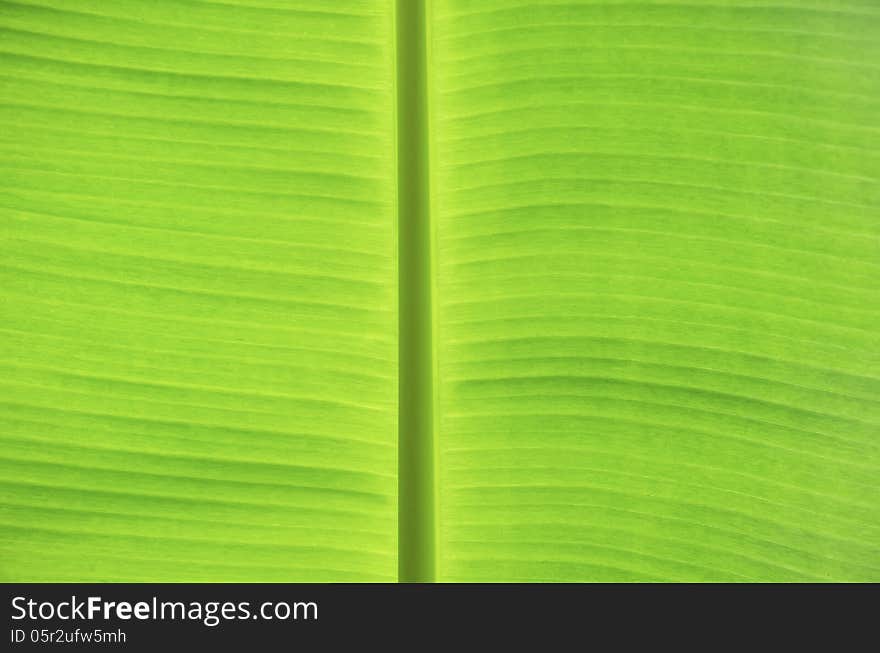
(199, 292)
(657, 337)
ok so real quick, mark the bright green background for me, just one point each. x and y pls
(658, 267)
(198, 325)
(656, 237)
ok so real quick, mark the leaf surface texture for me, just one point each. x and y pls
(657, 254)
(199, 291)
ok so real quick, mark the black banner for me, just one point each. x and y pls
(547, 617)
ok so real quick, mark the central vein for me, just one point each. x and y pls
(416, 550)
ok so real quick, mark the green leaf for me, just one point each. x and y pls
(198, 285)
(658, 312)
(608, 266)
